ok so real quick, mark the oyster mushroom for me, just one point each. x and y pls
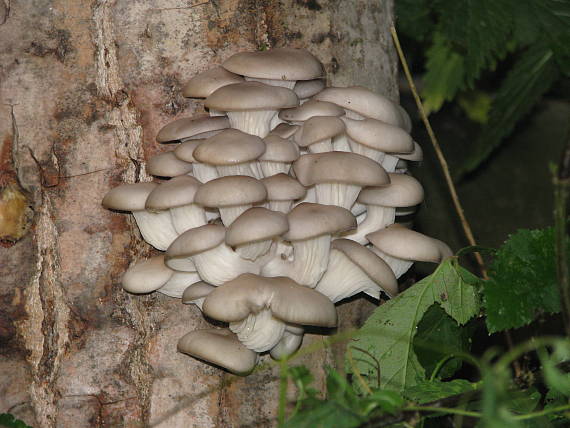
(187, 128)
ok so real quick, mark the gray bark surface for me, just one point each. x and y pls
(84, 88)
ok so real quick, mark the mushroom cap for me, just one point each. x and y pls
(282, 187)
(276, 64)
(185, 150)
(318, 128)
(364, 102)
(416, 155)
(339, 167)
(229, 147)
(167, 165)
(284, 130)
(256, 224)
(403, 191)
(196, 291)
(308, 220)
(219, 347)
(310, 109)
(279, 149)
(128, 196)
(176, 192)
(251, 96)
(146, 276)
(288, 301)
(203, 84)
(188, 127)
(308, 88)
(376, 268)
(403, 243)
(379, 135)
(230, 191)
(196, 240)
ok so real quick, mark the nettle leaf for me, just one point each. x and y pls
(553, 19)
(531, 76)
(433, 390)
(522, 280)
(388, 335)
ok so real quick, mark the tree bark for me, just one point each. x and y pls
(85, 86)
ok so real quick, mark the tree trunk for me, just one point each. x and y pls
(85, 86)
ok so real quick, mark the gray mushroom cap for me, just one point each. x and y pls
(203, 84)
(128, 196)
(284, 130)
(196, 240)
(379, 135)
(189, 127)
(229, 147)
(230, 191)
(256, 224)
(146, 276)
(308, 88)
(219, 347)
(282, 187)
(196, 291)
(176, 192)
(308, 220)
(310, 109)
(167, 165)
(279, 149)
(317, 129)
(403, 191)
(251, 96)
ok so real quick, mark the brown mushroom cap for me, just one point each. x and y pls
(379, 135)
(287, 300)
(230, 191)
(376, 268)
(403, 191)
(279, 149)
(229, 147)
(219, 347)
(167, 165)
(203, 84)
(319, 128)
(308, 220)
(275, 64)
(339, 167)
(256, 224)
(128, 197)
(176, 192)
(188, 127)
(310, 109)
(249, 96)
(281, 187)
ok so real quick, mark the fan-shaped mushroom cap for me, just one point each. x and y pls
(309, 220)
(167, 165)
(176, 192)
(287, 300)
(189, 127)
(310, 109)
(339, 167)
(364, 102)
(275, 64)
(256, 224)
(128, 197)
(194, 241)
(319, 128)
(146, 276)
(370, 263)
(416, 155)
(203, 84)
(196, 293)
(230, 191)
(281, 187)
(284, 130)
(308, 88)
(279, 149)
(185, 151)
(402, 243)
(219, 347)
(229, 147)
(379, 135)
(251, 96)
(403, 191)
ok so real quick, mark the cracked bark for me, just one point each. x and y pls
(87, 84)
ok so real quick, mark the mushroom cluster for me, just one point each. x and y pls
(275, 207)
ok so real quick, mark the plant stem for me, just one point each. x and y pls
(356, 372)
(440, 156)
(561, 181)
(543, 412)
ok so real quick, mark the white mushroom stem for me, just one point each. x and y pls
(344, 279)
(340, 143)
(281, 206)
(310, 196)
(178, 282)
(377, 218)
(204, 172)
(251, 169)
(357, 210)
(255, 122)
(289, 84)
(398, 266)
(339, 194)
(289, 343)
(389, 162)
(220, 264)
(229, 214)
(321, 147)
(254, 250)
(187, 217)
(361, 149)
(259, 332)
(156, 228)
(270, 168)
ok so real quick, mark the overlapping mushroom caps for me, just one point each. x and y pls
(255, 206)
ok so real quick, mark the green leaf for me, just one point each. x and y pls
(531, 76)
(327, 414)
(432, 390)
(389, 333)
(522, 280)
(557, 380)
(438, 335)
(387, 401)
(413, 17)
(9, 421)
(553, 18)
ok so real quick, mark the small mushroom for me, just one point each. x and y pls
(202, 171)
(191, 128)
(278, 156)
(282, 190)
(289, 343)
(196, 293)
(167, 165)
(317, 133)
(203, 84)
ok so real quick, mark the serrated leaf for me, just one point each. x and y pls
(522, 280)
(553, 18)
(531, 76)
(389, 333)
(413, 18)
(432, 390)
(438, 335)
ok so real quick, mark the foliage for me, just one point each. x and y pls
(9, 421)
(465, 39)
